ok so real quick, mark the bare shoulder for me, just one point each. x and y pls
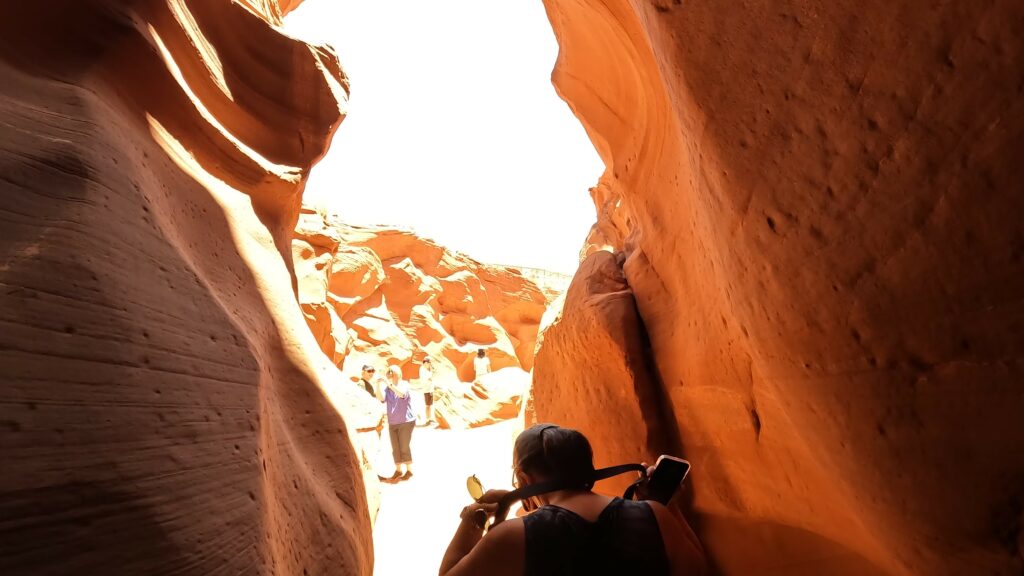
(501, 552)
(685, 554)
(667, 520)
(664, 513)
(509, 536)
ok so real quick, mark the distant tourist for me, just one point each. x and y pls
(401, 422)
(427, 383)
(481, 363)
(366, 379)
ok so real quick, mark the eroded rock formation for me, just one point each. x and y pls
(815, 211)
(164, 408)
(384, 296)
(614, 398)
(817, 207)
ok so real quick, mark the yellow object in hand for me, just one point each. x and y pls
(475, 487)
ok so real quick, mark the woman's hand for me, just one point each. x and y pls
(488, 503)
(397, 387)
(641, 490)
(474, 509)
(500, 552)
(483, 509)
(493, 496)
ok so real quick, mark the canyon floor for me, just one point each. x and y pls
(418, 517)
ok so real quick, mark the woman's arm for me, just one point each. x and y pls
(466, 537)
(499, 553)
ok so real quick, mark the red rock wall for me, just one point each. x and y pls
(385, 296)
(161, 409)
(599, 315)
(821, 205)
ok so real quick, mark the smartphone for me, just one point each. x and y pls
(669, 473)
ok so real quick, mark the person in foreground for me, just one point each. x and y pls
(572, 531)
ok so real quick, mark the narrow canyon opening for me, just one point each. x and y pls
(804, 277)
(445, 221)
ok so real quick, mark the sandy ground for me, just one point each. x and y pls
(418, 517)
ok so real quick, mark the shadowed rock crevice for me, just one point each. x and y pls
(616, 400)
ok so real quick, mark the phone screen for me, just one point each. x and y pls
(669, 473)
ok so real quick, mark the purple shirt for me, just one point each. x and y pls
(399, 409)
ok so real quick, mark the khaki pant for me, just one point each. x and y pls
(401, 436)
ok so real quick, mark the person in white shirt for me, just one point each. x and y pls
(427, 383)
(481, 364)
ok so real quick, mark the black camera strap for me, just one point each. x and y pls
(564, 484)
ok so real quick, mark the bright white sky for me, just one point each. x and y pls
(454, 128)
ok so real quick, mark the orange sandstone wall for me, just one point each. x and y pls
(164, 408)
(384, 296)
(820, 226)
(379, 295)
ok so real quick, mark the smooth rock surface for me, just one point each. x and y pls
(820, 218)
(164, 408)
(401, 298)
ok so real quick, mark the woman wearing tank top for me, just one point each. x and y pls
(396, 396)
(570, 532)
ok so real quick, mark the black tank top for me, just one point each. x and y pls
(624, 539)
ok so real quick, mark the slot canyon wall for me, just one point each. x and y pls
(384, 296)
(164, 407)
(815, 294)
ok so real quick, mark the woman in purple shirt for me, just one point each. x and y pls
(401, 422)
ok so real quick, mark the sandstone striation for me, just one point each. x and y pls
(817, 208)
(805, 277)
(384, 296)
(164, 409)
(599, 315)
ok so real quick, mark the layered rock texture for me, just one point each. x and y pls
(806, 277)
(164, 407)
(384, 296)
(816, 208)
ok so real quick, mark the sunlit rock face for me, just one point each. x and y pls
(384, 296)
(599, 315)
(820, 225)
(164, 407)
